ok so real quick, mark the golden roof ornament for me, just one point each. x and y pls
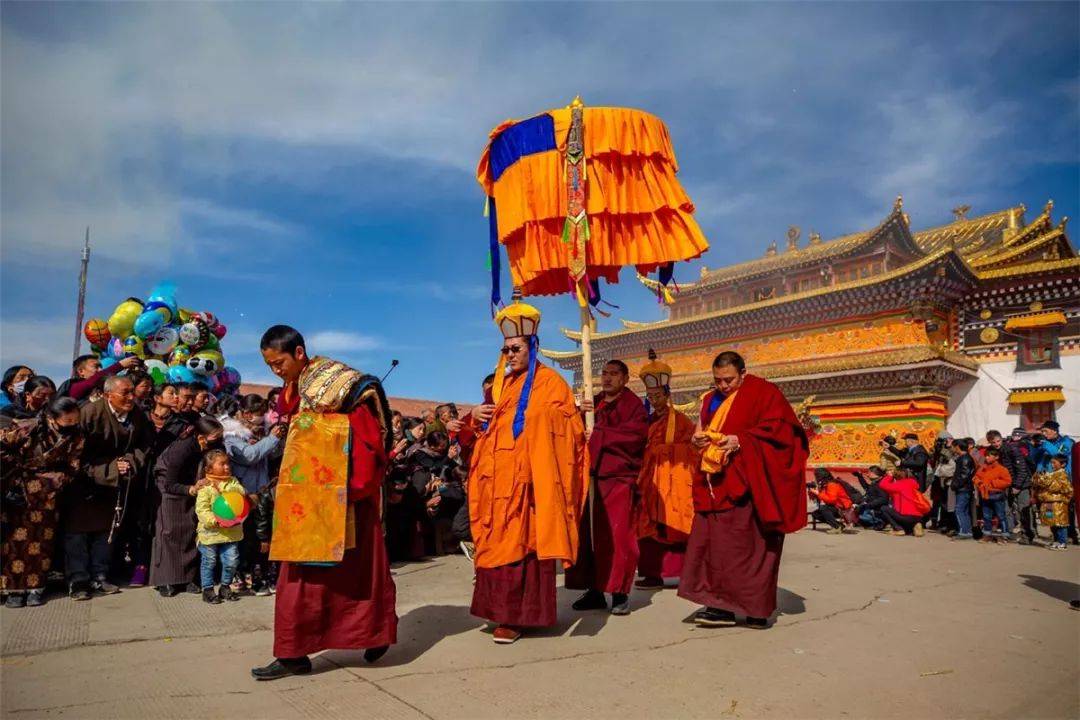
(960, 212)
(771, 250)
(793, 233)
(815, 238)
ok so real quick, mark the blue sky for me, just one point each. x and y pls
(313, 164)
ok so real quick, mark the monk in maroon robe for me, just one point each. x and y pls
(608, 556)
(349, 604)
(752, 492)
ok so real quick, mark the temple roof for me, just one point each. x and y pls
(967, 235)
(855, 363)
(882, 278)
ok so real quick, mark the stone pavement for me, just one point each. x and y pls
(870, 626)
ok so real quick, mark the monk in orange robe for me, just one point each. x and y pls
(665, 485)
(751, 492)
(527, 484)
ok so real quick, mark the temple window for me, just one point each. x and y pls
(1035, 414)
(1036, 339)
(1037, 348)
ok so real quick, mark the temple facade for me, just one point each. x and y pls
(968, 326)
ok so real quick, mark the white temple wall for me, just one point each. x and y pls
(981, 404)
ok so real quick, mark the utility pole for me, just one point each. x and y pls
(82, 296)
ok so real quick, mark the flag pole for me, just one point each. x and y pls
(81, 307)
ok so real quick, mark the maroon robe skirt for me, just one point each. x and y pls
(347, 606)
(660, 560)
(731, 563)
(521, 594)
(608, 562)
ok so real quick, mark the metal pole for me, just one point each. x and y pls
(81, 308)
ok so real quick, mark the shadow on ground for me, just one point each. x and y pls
(1063, 590)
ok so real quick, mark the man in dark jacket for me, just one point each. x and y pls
(118, 438)
(1013, 459)
(915, 459)
(874, 498)
(963, 486)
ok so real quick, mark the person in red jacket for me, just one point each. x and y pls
(993, 481)
(832, 499)
(908, 507)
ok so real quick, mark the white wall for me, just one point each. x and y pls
(981, 404)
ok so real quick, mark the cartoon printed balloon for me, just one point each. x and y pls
(163, 341)
(97, 332)
(115, 349)
(206, 362)
(157, 370)
(133, 345)
(180, 355)
(148, 323)
(122, 321)
(195, 333)
(181, 374)
(209, 318)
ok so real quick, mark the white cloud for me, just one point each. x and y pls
(341, 341)
(44, 345)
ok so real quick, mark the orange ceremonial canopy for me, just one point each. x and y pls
(575, 194)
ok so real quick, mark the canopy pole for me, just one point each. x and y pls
(586, 363)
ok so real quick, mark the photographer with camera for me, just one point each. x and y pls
(889, 459)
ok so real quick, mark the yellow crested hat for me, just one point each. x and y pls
(518, 319)
(655, 374)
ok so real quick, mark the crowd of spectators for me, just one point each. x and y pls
(1000, 490)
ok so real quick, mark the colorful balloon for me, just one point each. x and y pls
(220, 330)
(97, 332)
(231, 376)
(180, 355)
(180, 374)
(122, 321)
(157, 370)
(148, 323)
(206, 362)
(195, 333)
(163, 341)
(107, 361)
(133, 345)
(208, 318)
(115, 349)
(230, 508)
(211, 344)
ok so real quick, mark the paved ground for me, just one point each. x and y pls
(871, 626)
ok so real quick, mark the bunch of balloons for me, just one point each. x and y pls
(175, 344)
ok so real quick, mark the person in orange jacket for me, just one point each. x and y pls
(992, 481)
(832, 499)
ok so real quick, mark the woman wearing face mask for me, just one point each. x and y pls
(39, 457)
(35, 395)
(174, 562)
(11, 387)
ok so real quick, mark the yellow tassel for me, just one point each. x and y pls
(487, 203)
(581, 297)
(668, 297)
(500, 378)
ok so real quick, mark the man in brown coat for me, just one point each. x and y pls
(117, 439)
